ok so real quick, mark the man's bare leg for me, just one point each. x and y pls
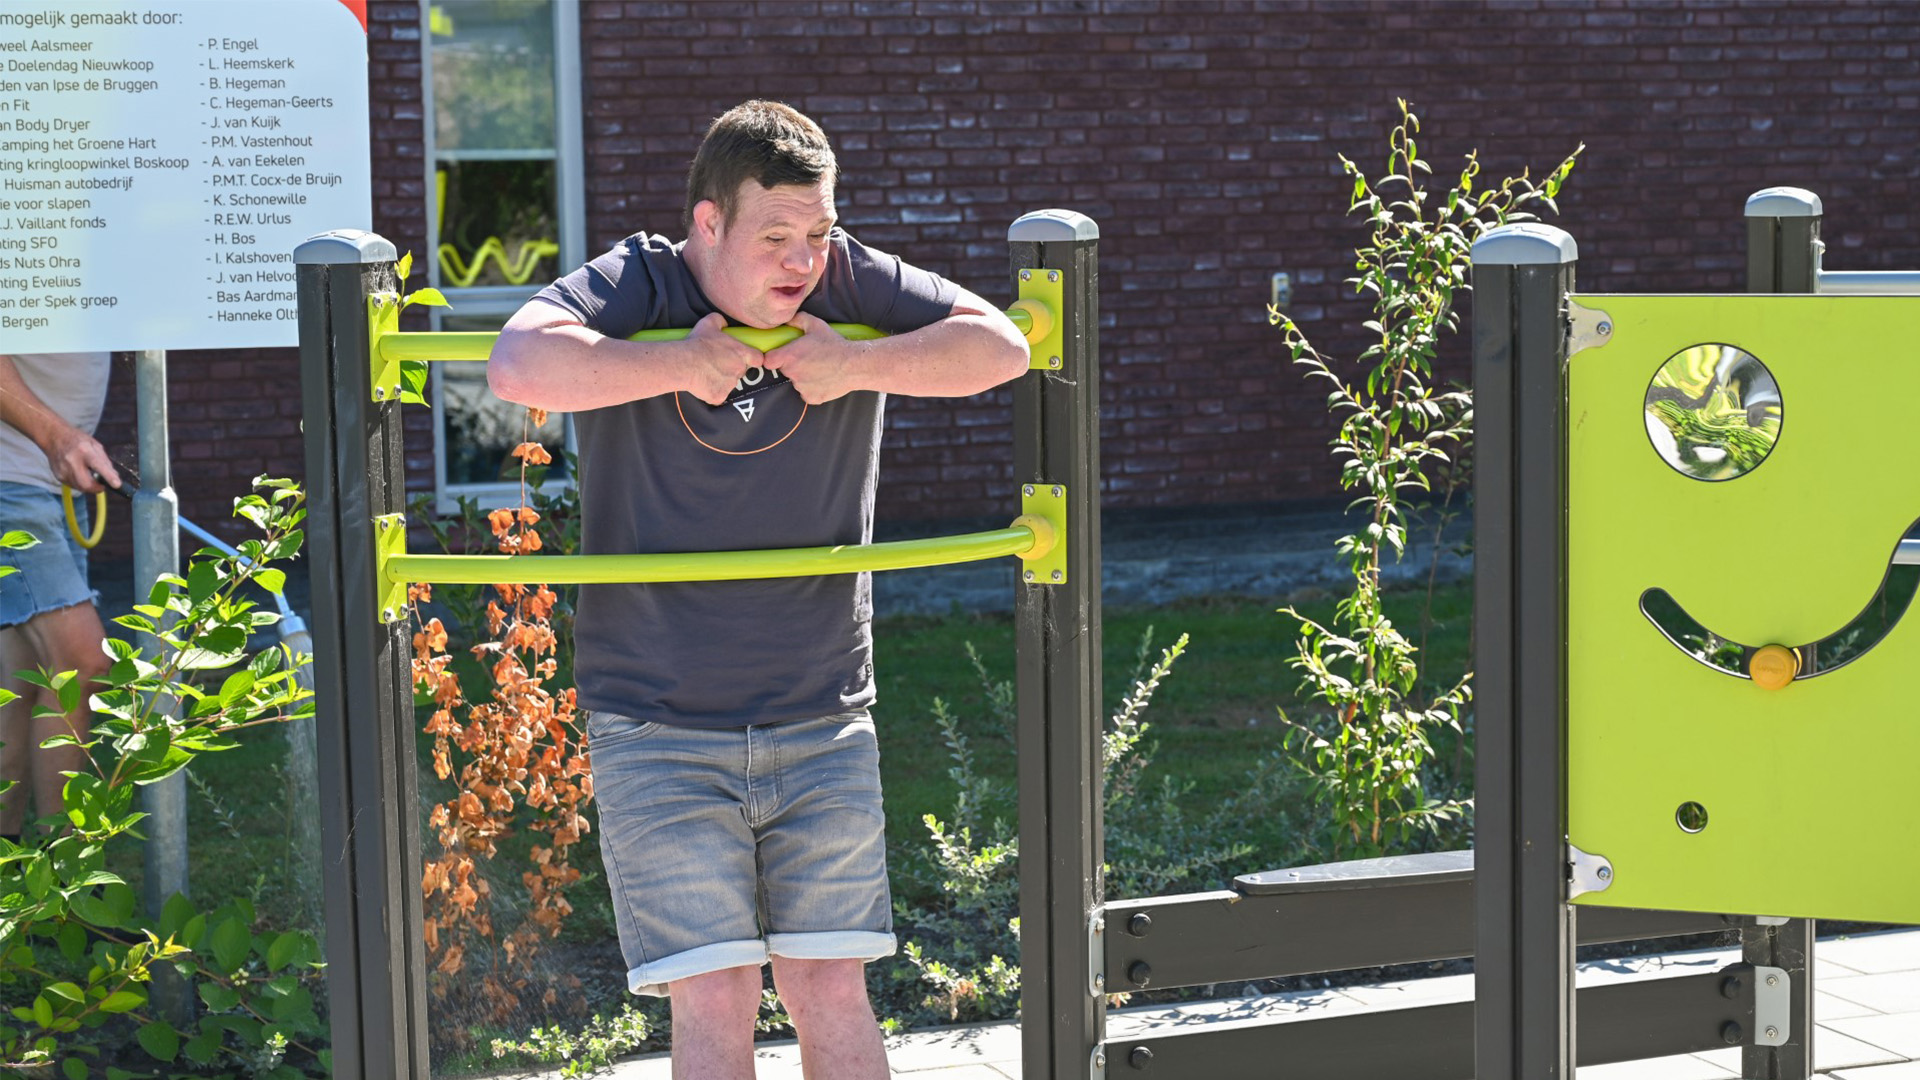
(839, 1038)
(67, 639)
(713, 1024)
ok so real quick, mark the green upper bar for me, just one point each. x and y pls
(475, 345)
(709, 565)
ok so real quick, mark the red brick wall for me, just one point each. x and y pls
(1202, 137)
(235, 413)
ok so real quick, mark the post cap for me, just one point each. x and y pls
(351, 246)
(1783, 202)
(1052, 226)
(1528, 243)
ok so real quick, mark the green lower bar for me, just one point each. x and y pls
(707, 565)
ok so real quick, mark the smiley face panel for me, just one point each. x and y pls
(1748, 457)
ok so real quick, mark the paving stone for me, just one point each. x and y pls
(1899, 1035)
(1834, 1049)
(1874, 954)
(1894, 992)
(1678, 1067)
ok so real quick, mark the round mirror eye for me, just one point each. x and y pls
(1713, 412)
(1691, 817)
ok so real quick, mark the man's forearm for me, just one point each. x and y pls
(22, 409)
(568, 368)
(955, 357)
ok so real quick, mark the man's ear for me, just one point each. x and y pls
(707, 222)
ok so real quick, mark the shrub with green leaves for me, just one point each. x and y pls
(1367, 745)
(79, 958)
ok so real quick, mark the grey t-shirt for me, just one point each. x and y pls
(764, 470)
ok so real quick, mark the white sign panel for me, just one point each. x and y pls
(160, 160)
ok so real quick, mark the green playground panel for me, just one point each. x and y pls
(1809, 789)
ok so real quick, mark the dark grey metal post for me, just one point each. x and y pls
(1783, 256)
(1057, 442)
(376, 975)
(1524, 928)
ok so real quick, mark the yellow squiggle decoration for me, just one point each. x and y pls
(459, 272)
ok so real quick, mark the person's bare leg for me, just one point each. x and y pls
(16, 736)
(713, 1024)
(67, 639)
(827, 999)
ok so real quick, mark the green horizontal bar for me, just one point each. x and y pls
(476, 345)
(708, 565)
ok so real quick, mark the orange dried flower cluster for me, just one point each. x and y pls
(517, 755)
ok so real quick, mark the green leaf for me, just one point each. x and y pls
(404, 267)
(116, 1073)
(123, 1001)
(67, 990)
(203, 579)
(283, 950)
(73, 937)
(294, 1006)
(18, 539)
(74, 1068)
(174, 915)
(219, 998)
(236, 688)
(271, 579)
(231, 943)
(175, 760)
(431, 297)
(43, 1011)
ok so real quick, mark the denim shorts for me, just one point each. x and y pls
(725, 846)
(53, 573)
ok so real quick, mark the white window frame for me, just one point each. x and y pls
(570, 195)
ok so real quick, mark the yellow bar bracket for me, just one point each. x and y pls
(390, 543)
(383, 318)
(1043, 508)
(1043, 297)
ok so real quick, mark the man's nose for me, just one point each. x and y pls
(798, 256)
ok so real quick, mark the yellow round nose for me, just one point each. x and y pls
(1773, 666)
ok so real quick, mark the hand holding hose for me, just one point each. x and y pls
(80, 463)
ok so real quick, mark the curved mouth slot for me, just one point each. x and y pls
(1829, 653)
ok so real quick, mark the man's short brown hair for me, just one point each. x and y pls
(758, 140)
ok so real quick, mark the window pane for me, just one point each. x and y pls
(493, 75)
(497, 223)
(481, 430)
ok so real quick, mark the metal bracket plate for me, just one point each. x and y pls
(1097, 1065)
(1772, 1006)
(1097, 953)
(1047, 501)
(1049, 288)
(1586, 872)
(389, 540)
(1588, 328)
(383, 317)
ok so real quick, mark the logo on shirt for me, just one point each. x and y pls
(745, 408)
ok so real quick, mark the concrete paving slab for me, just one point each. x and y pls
(1833, 1049)
(1905, 1070)
(1898, 1035)
(1873, 954)
(1679, 1067)
(1893, 992)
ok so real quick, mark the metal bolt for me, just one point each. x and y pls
(1731, 1033)
(1730, 987)
(1773, 980)
(387, 615)
(1605, 873)
(1140, 925)
(1604, 329)
(1100, 983)
(1028, 575)
(1027, 490)
(1100, 1057)
(1058, 576)
(1140, 1057)
(1059, 492)
(1772, 1032)
(379, 393)
(1140, 973)
(1099, 924)
(1053, 276)
(1053, 361)
(1026, 275)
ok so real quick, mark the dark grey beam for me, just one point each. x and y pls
(1783, 256)
(1627, 1021)
(1057, 442)
(1524, 927)
(1366, 913)
(376, 973)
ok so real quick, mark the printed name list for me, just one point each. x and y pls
(159, 164)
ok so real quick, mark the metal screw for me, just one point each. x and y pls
(1604, 329)
(387, 615)
(1053, 361)
(1773, 980)
(1027, 490)
(1053, 275)
(1059, 492)
(1140, 1057)
(1100, 1057)
(1140, 973)
(1605, 873)
(1100, 983)
(1140, 925)
(1772, 1032)
(1028, 575)
(1099, 924)
(1731, 1033)
(379, 393)
(1026, 275)
(1058, 576)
